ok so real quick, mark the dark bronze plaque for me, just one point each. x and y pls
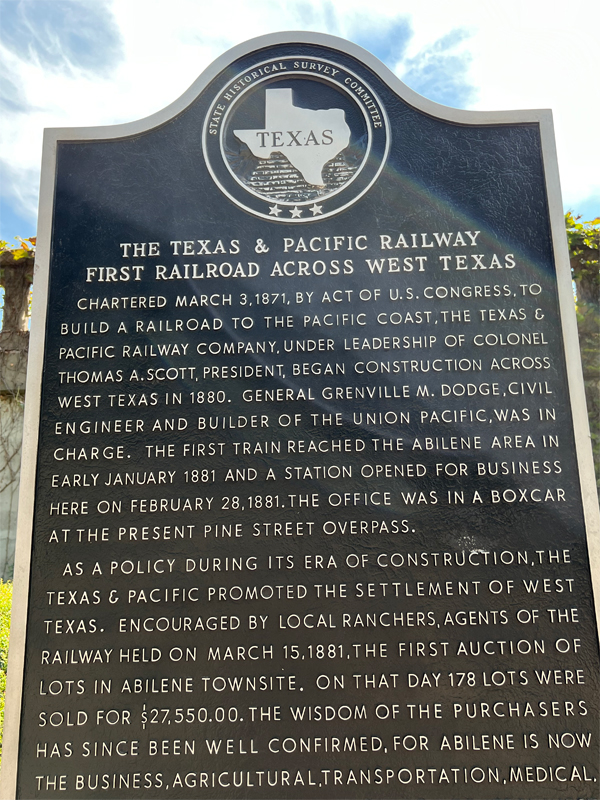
(308, 516)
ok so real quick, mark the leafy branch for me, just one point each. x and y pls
(25, 248)
(584, 251)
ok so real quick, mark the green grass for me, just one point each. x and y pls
(5, 606)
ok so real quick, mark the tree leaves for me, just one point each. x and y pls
(26, 248)
(584, 250)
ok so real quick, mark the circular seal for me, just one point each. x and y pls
(295, 139)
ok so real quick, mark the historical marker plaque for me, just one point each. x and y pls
(311, 482)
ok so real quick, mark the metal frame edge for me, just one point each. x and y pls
(579, 414)
(31, 426)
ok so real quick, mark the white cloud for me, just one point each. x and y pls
(516, 55)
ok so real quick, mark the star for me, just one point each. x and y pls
(274, 211)
(296, 212)
(316, 210)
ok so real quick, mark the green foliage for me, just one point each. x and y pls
(584, 249)
(582, 235)
(5, 606)
(25, 248)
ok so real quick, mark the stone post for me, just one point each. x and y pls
(15, 278)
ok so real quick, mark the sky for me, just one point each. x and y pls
(70, 63)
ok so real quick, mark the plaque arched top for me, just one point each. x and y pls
(327, 91)
(302, 39)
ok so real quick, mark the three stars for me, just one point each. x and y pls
(296, 213)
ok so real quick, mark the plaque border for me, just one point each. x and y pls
(52, 136)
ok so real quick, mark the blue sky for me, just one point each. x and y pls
(99, 62)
